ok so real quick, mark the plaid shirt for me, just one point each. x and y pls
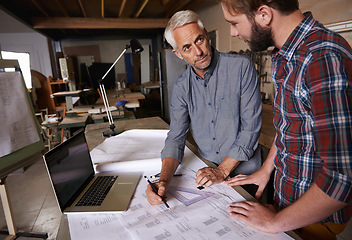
(312, 75)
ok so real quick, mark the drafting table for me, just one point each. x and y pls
(68, 97)
(93, 133)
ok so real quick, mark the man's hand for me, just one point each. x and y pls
(153, 198)
(259, 178)
(254, 214)
(169, 166)
(208, 176)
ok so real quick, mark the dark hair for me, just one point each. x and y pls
(249, 7)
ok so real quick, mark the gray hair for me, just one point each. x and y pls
(179, 19)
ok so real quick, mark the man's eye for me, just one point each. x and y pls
(186, 48)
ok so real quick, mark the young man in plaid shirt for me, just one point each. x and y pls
(312, 153)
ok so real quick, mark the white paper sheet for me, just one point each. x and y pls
(130, 146)
(195, 214)
(96, 226)
(144, 165)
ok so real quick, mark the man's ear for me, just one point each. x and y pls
(264, 15)
(177, 54)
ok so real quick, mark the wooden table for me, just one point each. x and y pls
(68, 97)
(127, 95)
(94, 137)
(94, 132)
(148, 86)
(77, 121)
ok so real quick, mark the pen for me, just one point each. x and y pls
(202, 186)
(150, 183)
(175, 175)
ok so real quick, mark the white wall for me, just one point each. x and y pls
(109, 49)
(33, 43)
(325, 11)
(18, 37)
(145, 64)
(213, 19)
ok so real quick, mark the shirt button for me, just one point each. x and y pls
(212, 121)
(209, 104)
(217, 152)
(213, 138)
(205, 85)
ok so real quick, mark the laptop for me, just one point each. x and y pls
(74, 181)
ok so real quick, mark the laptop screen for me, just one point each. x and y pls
(69, 166)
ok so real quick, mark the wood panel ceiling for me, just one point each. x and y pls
(61, 19)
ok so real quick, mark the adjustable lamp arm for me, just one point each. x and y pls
(136, 48)
(117, 59)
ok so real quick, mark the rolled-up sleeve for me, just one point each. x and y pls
(179, 125)
(330, 78)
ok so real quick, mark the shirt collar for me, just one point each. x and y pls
(296, 37)
(212, 66)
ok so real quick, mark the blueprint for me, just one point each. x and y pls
(195, 214)
(18, 123)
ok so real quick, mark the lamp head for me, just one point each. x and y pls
(136, 47)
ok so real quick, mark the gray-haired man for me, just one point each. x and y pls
(218, 99)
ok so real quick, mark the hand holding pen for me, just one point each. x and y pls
(155, 191)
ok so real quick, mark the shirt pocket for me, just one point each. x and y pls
(228, 107)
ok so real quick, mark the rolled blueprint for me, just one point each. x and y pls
(147, 165)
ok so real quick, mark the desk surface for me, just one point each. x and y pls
(150, 85)
(94, 137)
(66, 93)
(78, 121)
(123, 95)
(94, 131)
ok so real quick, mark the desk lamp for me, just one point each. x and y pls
(136, 47)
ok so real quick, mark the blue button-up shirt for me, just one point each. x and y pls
(223, 110)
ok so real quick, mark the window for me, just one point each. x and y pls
(24, 61)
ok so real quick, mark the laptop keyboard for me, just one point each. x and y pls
(97, 192)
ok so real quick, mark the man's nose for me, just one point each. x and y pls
(198, 50)
(234, 31)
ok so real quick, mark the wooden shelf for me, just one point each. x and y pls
(56, 104)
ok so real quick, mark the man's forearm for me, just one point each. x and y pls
(269, 161)
(312, 207)
(169, 166)
(228, 165)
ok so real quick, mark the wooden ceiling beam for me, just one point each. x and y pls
(122, 7)
(194, 4)
(164, 2)
(175, 6)
(41, 8)
(102, 9)
(58, 2)
(141, 8)
(82, 8)
(98, 23)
